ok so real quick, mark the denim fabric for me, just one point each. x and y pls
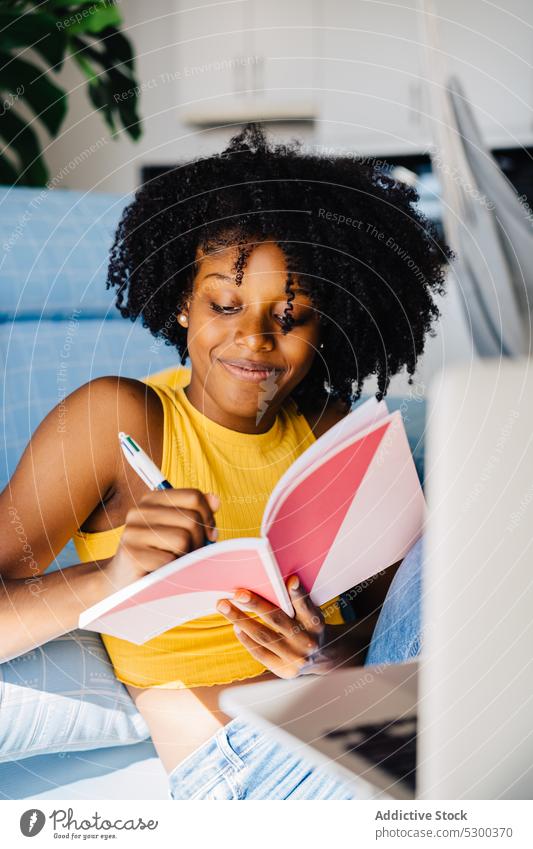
(397, 636)
(242, 762)
(64, 697)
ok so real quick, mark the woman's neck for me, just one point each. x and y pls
(199, 397)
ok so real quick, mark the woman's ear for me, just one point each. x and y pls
(183, 313)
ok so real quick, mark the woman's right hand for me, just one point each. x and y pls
(164, 525)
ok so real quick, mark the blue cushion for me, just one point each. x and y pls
(413, 412)
(55, 247)
(63, 697)
(45, 361)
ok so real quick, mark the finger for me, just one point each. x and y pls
(161, 536)
(291, 628)
(259, 632)
(173, 518)
(136, 541)
(307, 613)
(188, 499)
(280, 667)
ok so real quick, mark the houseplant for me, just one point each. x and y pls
(36, 39)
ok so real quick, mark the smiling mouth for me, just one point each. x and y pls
(252, 375)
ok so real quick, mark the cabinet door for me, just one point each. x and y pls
(370, 72)
(211, 62)
(283, 35)
(490, 48)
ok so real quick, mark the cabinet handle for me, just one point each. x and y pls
(414, 103)
(258, 75)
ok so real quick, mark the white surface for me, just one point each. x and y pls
(299, 713)
(477, 664)
(144, 780)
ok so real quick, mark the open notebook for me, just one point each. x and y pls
(348, 507)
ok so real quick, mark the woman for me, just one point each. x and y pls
(281, 275)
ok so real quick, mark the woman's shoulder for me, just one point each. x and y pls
(132, 406)
(126, 399)
(173, 377)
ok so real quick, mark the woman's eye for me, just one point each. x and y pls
(231, 311)
(282, 320)
(223, 310)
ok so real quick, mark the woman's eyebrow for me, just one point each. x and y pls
(218, 274)
(232, 280)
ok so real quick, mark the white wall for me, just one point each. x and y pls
(176, 42)
(357, 64)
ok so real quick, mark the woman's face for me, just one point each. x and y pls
(230, 324)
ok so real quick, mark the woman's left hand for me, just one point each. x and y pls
(288, 647)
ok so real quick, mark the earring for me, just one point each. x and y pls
(321, 345)
(182, 318)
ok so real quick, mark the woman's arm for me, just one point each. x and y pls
(62, 477)
(69, 465)
(33, 613)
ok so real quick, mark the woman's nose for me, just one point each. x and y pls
(256, 341)
(256, 333)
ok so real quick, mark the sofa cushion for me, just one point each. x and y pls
(55, 247)
(64, 697)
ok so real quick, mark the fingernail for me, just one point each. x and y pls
(213, 533)
(223, 607)
(295, 583)
(215, 500)
(236, 629)
(243, 596)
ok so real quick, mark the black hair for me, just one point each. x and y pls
(354, 237)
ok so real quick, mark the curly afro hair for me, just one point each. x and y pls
(368, 259)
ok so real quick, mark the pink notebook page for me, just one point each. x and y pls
(309, 518)
(383, 522)
(358, 420)
(186, 594)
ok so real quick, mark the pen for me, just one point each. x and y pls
(145, 468)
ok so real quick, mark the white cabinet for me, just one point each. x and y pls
(210, 60)
(354, 67)
(246, 60)
(370, 73)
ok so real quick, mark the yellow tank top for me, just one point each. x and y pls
(242, 469)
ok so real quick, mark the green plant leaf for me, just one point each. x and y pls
(96, 18)
(127, 108)
(105, 86)
(23, 142)
(37, 30)
(52, 28)
(117, 46)
(84, 65)
(46, 100)
(100, 98)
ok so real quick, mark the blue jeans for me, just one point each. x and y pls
(242, 762)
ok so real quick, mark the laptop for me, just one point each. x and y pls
(455, 723)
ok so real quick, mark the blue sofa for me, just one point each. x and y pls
(59, 329)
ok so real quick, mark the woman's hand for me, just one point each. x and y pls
(165, 524)
(288, 647)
